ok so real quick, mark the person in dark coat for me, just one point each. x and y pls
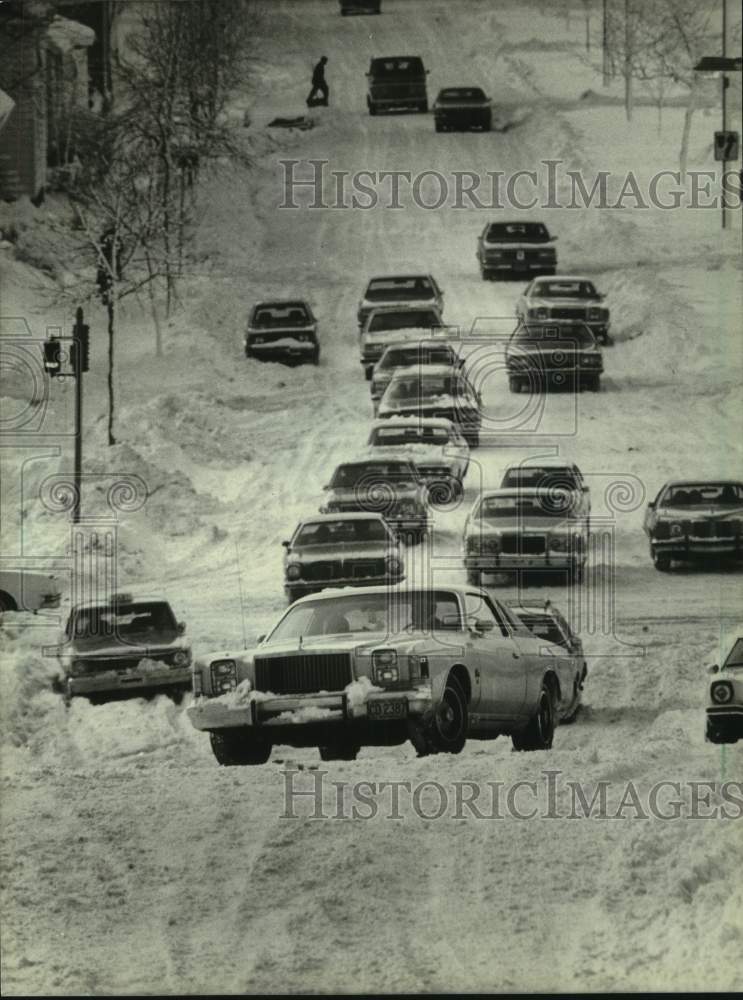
(319, 84)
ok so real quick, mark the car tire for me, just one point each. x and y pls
(423, 107)
(446, 732)
(373, 110)
(662, 562)
(368, 372)
(233, 748)
(316, 357)
(514, 384)
(6, 602)
(575, 706)
(293, 594)
(474, 577)
(540, 731)
(339, 751)
(487, 124)
(486, 274)
(713, 735)
(594, 383)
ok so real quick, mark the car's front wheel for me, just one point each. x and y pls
(540, 731)
(446, 731)
(714, 735)
(233, 748)
(474, 577)
(662, 562)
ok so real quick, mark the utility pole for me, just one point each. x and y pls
(605, 43)
(725, 82)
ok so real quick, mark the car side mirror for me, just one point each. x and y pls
(714, 669)
(181, 628)
(261, 637)
(286, 543)
(584, 487)
(651, 505)
(483, 625)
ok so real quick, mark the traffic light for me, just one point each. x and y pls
(52, 356)
(81, 348)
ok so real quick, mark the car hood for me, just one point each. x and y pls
(416, 452)
(544, 303)
(700, 513)
(348, 550)
(393, 336)
(541, 524)
(434, 403)
(352, 493)
(94, 649)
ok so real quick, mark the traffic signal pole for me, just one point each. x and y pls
(79, 364)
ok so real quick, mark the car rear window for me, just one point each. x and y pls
(408, 319)
(394, 436)
(122, 619)
(294, 314)
(406, 357)
(517, 232)
(405, 66)
(461, 94)
(399, 289)
(368, 474)
(340, 531)
(546, 478)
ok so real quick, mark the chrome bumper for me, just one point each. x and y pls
(111, 681)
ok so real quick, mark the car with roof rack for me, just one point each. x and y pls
(565, 298)
(283, 330)
(376, 666)
(416, 291)
(340, 550)
(692, 520)
(509, 530)
(123, 646)
(516, 249)
(434, 445)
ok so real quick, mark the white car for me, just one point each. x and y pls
(28, 590)
(725, 698)
(564, 298)
(411, 291)
(434, 445)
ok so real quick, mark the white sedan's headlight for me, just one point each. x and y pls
(722, 692)
(384, 666)
(293, 571)
(182, 658)
(224, 676)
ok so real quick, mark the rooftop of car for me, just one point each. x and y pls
(552, 462)
(703, 482)
(403, 307)
(446, 371)
(473, 93)
(522, 492)
(403, 589)
(342, 515)
(400, 277)
(556, 279)
(282, 304)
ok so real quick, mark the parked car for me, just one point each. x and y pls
(282, 331)
(692, 519)
(390, 487)
(435, 391)
(546, 622)
(434, 445)
(565, 355)
(524, 529)
(28, 590)
(410, 357)
(415, 291)
(550, 474)
(124, 646)
(462, 108)
(360, 6)
(340, 550)
(725, 698)
(516, 248)
(391, 324)
(375, 667)
(565, 298)
(396, 82)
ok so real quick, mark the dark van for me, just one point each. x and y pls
(397, 82)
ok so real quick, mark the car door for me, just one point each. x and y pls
(497, 657)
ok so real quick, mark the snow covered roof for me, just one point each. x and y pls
(66, 35)
(433, 422)
(360, 515)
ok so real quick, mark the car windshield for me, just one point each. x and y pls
(553, 503)
(382, 613)
(403, 320)
(426, 387)
(735, 656)
(289, 314)
(704, 495)
(405, 66)
(517, 232)
(399, 289)
(543, 626)
(407, 357)
(462, 94)
(559, 338)
(565, 289)
(340, 532)
(369, 474)
(403, 434)
(544, 478)
(139, 618)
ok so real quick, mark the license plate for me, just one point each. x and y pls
(387, 709)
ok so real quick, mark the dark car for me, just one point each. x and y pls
(691, 520)
(435, 391)
(340, 550)
(516, 248)
(124, 646)
(410, 290)
(396, 82)
(462, 108)
(282, 331)
(360, 6)
(539, 357)
(390, 487)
